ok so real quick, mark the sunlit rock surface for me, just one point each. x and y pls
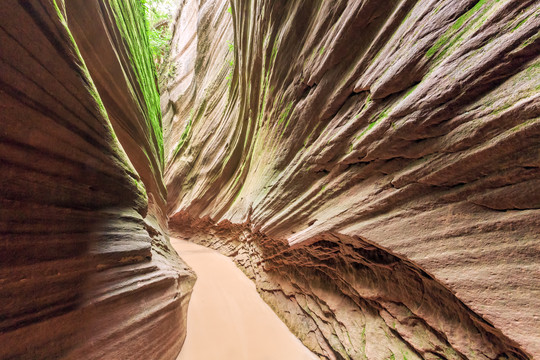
(393, 144)
(86, 268)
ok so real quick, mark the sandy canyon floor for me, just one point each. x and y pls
(227, 319)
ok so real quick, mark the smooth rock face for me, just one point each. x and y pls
(86, 270)
(393, 144)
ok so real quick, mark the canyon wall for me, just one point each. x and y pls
(86, 271)
(372, 165)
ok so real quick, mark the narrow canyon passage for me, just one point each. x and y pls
(364, 177)
(227, 319)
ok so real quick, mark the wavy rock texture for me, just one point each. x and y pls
(86, 269)
(108, 36)
(378, 160)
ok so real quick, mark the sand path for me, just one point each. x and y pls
(227, 319)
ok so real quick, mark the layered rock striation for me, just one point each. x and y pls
(86, 268)
(372, 165)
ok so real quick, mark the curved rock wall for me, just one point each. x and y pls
(86, 269)
(407, 127)
(108, 35)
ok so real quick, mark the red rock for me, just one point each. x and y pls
(410, 128)
(86, 268)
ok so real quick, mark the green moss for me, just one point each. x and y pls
(501, 109)
(383, 115)
(380, 118)
(306, 140)
(409, 92)
(141, 188)
(450, 353)
(285, 114)
(530, 40)
(184, 135)
(92, 90)
(371, 125)
(238, 193)
(521, 23)
(406, 17)
(364, 338)
(238, 176)
(522, 125)
(91, 85)
(230, 73)
(444, 40)
(377, 55)
(130, 19)
(272, 57)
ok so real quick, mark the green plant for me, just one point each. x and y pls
(158, 14)
(230, 74)
(130, 18)
(445, 41)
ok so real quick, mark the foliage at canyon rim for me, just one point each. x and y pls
(158, 23)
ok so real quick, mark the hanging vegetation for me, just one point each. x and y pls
(158, 16)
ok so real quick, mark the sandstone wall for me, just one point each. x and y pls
(379, 159)
(86, 269)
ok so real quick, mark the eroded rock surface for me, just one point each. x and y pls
(393, 144)
(86, 269)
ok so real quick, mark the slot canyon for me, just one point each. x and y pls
(372, 166)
